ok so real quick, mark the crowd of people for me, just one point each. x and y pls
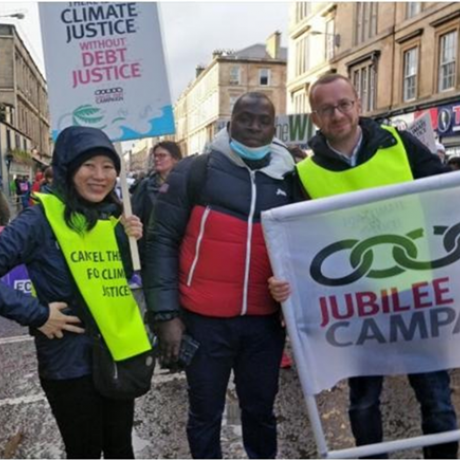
(206, 273)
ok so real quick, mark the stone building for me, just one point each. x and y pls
(206, 105)
(24, 117)
(403, 58)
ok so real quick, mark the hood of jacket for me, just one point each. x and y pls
(74, 143)
(281, 161)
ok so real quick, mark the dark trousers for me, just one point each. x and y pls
(90, 424)
(433, 393)
(252, 347)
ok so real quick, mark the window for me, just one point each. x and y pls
(232, 100)
(447, 61)
(302, 55)
(235, 75)
(412, 9)
(299, 102)
(264, 77)
(302, 10)
(410, 74)
(364, 79)
(366, 21)
(330, 39)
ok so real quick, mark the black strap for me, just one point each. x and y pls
(197, 177)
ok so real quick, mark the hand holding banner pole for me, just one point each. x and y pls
(127, 208)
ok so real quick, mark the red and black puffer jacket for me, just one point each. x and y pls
(209, 256)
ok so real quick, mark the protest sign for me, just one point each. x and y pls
(421, 128)
(18, 278)
(105, 68)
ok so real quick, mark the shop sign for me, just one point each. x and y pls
(448, 119)
(294, 128)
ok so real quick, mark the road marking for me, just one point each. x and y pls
(139, 444)
(22, 400)
(16, 339)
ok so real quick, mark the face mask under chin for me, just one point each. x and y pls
(249, 153)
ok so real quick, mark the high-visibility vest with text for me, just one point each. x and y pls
(94, 260)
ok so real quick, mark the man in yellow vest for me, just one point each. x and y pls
(354, 153)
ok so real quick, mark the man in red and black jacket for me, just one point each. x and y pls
(206, 273)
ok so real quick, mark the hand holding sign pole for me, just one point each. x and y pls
(127, 210)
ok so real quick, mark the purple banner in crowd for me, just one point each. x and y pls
(18, 278)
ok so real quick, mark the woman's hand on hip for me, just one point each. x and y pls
(59, 322)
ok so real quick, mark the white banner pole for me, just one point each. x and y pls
(127, 210)
(392, 446)
(302, 366)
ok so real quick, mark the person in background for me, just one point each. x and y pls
(47, 180)
(17, 181)
(166, 155)
(36, 186)
(138, 178)
(53, 240)
(20, 190)
(13, 189)
(25, 188)
(351, 153)
(5, 213)
(441, 152)
(454, 163)
(206, 273)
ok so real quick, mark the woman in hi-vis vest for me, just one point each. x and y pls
(76, 250)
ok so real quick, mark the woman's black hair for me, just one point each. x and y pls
(76, 205)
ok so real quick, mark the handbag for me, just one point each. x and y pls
(122, 380)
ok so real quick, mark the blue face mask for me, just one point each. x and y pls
(250, 153)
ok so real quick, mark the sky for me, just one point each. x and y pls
(191, 31)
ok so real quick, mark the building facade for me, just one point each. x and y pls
(403, 58)
(24, 116)
(206, 105)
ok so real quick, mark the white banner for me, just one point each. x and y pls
(374, 278)
(106, 69)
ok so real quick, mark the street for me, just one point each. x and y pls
(29, 430)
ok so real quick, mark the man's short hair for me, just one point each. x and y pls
(324, 80)
(252, 95)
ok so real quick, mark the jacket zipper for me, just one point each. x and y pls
(198, 245)
(252, 175)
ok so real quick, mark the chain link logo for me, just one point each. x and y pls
(404, 253)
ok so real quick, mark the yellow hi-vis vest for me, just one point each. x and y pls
(95, 262)
(388, 166)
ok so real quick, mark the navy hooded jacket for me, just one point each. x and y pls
(29, 240)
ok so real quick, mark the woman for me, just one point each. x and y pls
(165, 156)
(68, 241)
